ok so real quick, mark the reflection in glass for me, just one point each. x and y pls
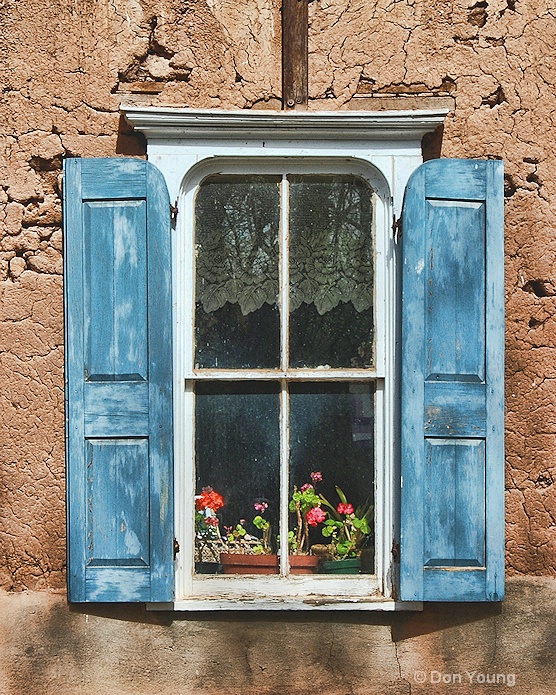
(331, 272)
(236, 235)
(238, 450)
(332, 433)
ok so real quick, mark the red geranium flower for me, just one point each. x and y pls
(345, 508)
(209, 499)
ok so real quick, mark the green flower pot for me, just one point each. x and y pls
(208, 568)
(351, 565)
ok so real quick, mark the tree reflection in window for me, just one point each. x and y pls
(237, 319)
(331, 272)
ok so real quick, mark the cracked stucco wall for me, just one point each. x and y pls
(46, 648)
(65, 68)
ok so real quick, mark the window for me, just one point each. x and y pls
(266, 339)
(285, 365)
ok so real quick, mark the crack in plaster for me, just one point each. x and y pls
(398, 662)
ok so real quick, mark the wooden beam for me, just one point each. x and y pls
(295, 53)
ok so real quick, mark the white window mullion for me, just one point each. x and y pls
(284, 473)
(284, 272)
(284, 362)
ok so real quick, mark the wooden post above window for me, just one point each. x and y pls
(295, 53)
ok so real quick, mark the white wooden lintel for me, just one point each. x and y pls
(185, 123)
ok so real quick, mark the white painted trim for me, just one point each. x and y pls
(213, 124)
(291, 374)
(341, 603)
(308, 587)
(284, 590)
(284, 292)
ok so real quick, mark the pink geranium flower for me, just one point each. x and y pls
(316, 477)
(315, 516)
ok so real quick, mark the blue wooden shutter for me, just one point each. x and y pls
(118, 381)
(452, 449)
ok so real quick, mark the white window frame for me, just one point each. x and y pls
(385, 148)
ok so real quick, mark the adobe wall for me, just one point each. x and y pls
(65, 69)
(47, 647)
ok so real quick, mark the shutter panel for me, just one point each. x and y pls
(118, 381)
(452, 421)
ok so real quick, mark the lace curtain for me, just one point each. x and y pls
(237, 242)
(331, 247)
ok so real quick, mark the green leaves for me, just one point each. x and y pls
(260, 523)
(331, 527)
(347, 531)
(307, 499)
(362, 525)
(239, 531)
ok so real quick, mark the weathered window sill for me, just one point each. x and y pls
(283, 603)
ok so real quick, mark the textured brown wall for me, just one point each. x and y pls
(47, 648)
(66, 67)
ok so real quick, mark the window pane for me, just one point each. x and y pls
(236, 235)
(331, 272)
(332, 433)
(237, 442)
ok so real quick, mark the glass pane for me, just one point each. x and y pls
(237, 443)
(236, 293)
(331, 272)
(332, 445)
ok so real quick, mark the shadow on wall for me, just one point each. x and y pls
(48, 646)
(130, 142)
(431, 144)
(434, 617)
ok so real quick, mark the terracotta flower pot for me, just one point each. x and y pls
(303, 564)
(236, 563)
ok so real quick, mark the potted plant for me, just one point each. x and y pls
(348, 530)
(247, 554)
(208, 540)
(306, 505)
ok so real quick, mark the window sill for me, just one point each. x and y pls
(302, 592)
(329, 603)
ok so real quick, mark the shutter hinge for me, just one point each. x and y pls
(395, 551)
(176, 547)
(174, 214)
(397, 228)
